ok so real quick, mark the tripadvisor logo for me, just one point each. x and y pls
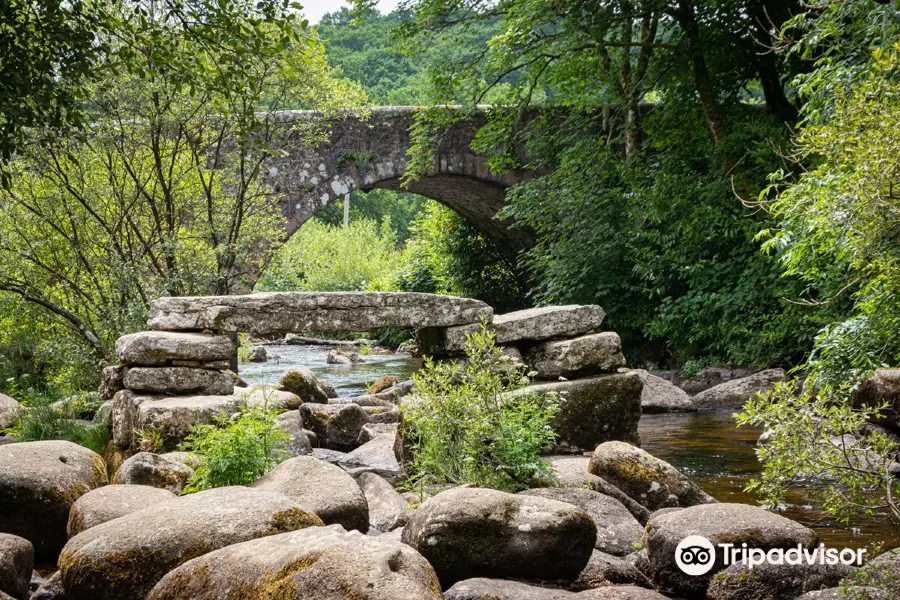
(696, 555)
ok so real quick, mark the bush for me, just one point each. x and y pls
(235, 450)
(43, 421)
(324, 258)
(464, 426)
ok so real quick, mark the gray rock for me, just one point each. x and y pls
(391, 416)
(124, 558)
(882, 388)
(39, 483)
(480, 588)
(290, 423)
(328, 388)
(370, 431)
(572, 471)
(111, 381)
(577, 357)
(652, 482)
(330, 456)
(179, 380)
(16, 564)
(103, 416)
(660, 396)
(543, 323)
(302, 382)
(719, 523)
(605, 569)
(320, 563)
(469, 532)
(283, 312)
(321, 488)
(376, 456)
(774, 582)
(146, 469)
(154, 348)
(111, 502)
(620, 592)
(849, 593)
(51, 589)
(709, 377)
(257, 354)
(9, 411)
(336, 425)
(387, 508)
(618, 532)
(337, 358)
(884, 571)
(735, 393)
(593, 411)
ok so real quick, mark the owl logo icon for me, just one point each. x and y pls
(695, 555)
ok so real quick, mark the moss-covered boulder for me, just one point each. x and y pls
(648, 480)
(16, 564)
(124, 558)
(618, 532)
(10, 410)
(595, 410)
(381, 384)
(39, 483)
(321, 563)
(321, 488)
(572, 471)
(774, 582)
(605, 569)
(146, 469)
(302, 382)
(469, 532)
(111, 502)
(720, 524)
(336, 426)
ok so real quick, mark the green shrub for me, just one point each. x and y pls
(42, 421)
(324, 258)
(235, 450)
(464, 425)
(695, 365)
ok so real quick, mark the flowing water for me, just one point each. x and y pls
(705, 446)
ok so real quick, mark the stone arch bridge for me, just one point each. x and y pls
(362, 154)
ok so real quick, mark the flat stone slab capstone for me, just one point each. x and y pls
(291, 312)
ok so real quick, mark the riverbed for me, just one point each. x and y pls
(706, 446)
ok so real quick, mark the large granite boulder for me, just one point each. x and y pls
(387, 508)
(884, 571)
(774, 582)
(577, 357)
(124, 558)
(302, 382)
(711, 376)
(652, 482)
(618, 532)
(9, 411)
(882, 388)
(736, 393)
(481, 588)
(300, 442)
(593, 411)
(284, 312)
(111, 502)
(154, 470)
(16, 564)
(375, 456)
(318, 563)
(572, 471)
(322, 488)
(659, 395)
(112, 380)
(469, 532)
(848, 593)
(179, 380)
(543, 323)
(157, 348)
(337, 426)
(39, 483)
(605, 569)
(620, 592)
(719, 523)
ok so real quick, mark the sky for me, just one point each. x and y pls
(314, 9)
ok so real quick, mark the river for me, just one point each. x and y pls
(706, 446)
